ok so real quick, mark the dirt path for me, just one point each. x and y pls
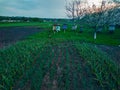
(112, 51)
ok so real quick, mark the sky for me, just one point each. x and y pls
(35, 8)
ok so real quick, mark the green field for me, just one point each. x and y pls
(60, 61)
(88, 33)
(22, 24)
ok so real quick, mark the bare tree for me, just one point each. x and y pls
(81, 8)
(75, 9)
(70, 9)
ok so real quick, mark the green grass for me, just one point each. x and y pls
(88, 33)
(105, 70)
(87, 36)
(12, 24)
(31, 59)
(21, 24)
(16, 59)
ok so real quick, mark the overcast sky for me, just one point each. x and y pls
(36, 8)
(33, 8)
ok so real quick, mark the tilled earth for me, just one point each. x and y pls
(9, 35)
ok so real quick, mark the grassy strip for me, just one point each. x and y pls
(87, 36)
(41, 69)
(106, 72)
(37, 73)
(13, 24)
(67, 71)
(15, 60)
(75, 69)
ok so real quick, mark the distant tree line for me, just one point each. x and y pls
(30, 19)
(20, 19)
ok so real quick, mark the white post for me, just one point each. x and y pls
(95, 35)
